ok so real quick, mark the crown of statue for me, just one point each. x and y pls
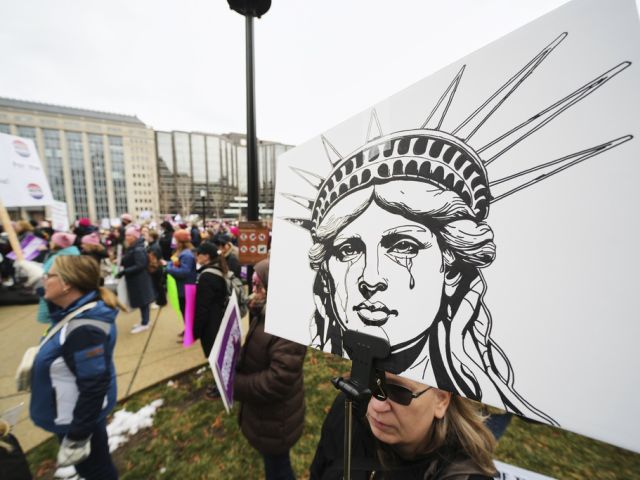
(446, 160)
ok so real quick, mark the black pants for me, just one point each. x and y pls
(98, 465)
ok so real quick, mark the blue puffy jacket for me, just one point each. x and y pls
(74, 379)
(185, 272)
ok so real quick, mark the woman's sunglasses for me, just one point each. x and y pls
(396, 393)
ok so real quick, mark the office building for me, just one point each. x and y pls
(205, 171)
(101, 164)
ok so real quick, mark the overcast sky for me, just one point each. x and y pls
(180, 64)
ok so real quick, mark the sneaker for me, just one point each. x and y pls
(139, 328)
(154, 306)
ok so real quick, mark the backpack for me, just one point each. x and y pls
(234, 284)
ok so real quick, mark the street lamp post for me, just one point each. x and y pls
(250, 9)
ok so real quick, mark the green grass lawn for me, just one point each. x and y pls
(194, 438)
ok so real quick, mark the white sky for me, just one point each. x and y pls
(180, 64)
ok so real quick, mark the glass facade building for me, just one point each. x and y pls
(192, 162)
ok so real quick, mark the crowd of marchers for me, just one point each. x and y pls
(405, 429)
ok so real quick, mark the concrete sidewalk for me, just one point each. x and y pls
(163, 358)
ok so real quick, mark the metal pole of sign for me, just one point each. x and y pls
(348, 429)
(252, 143)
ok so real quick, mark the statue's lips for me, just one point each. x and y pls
(374, 314)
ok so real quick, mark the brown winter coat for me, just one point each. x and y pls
(269, 386)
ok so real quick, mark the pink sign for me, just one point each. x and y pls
(189, 313)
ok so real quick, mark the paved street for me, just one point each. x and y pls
(163, 358)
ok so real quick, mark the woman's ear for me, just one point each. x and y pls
(443, 399)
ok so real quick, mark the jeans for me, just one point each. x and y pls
(98, 465)
(278, 467)
(144, 312)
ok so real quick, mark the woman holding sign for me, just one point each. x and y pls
(269, 385)
(409, 430)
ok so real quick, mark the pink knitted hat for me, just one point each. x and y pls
(133, 231)
(91, 239)
(63, 239)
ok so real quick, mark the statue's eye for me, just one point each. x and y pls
(404, 247)
(349, 250)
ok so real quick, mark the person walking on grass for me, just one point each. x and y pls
(139, 287)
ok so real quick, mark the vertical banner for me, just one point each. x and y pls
(189, 314)
(225, 351)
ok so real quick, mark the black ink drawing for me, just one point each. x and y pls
(400, 239)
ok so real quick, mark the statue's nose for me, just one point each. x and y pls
(367, 290)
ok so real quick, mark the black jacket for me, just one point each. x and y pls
(211, 301)
(328, 461)
(139, 285)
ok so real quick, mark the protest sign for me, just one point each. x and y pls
(59, 216)
(225, 351)
(480, 224)
(30, 246)
(23, 182)
(172, 296)
(253, 241)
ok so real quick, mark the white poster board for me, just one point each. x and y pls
(59, 216)
(482, 220)
(23, 182)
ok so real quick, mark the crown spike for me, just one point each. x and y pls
(468, 128)
(305, 223)
(332, 154)
(448, 94)
(311, 178)
(545, 116)
(374, 131)
(565, 162)
(302, 201)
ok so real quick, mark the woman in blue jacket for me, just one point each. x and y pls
(183, 265)
(74, 380)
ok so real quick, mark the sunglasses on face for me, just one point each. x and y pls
(394, 392)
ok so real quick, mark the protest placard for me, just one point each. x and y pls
(480, 221)
(225, 351)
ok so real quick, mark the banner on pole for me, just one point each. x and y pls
(59, 216)
(23, 182)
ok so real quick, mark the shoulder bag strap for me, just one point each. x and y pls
(56, 328)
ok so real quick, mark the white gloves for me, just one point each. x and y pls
(72, 452)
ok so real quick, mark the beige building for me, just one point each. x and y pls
(101, 164)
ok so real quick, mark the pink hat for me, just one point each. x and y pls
(63, 239)
(133, 231)
(91, 239)
(84, 222)
(126, 217)
(234, 230)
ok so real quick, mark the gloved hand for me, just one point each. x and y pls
(72, 452)
(120, 274)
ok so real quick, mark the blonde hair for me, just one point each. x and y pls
(463, 427)
(83, 273)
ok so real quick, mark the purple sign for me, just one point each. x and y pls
(30, 246)
(224, 353)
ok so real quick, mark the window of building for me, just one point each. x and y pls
(96, 154)
(53, 156)
(76, 165)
